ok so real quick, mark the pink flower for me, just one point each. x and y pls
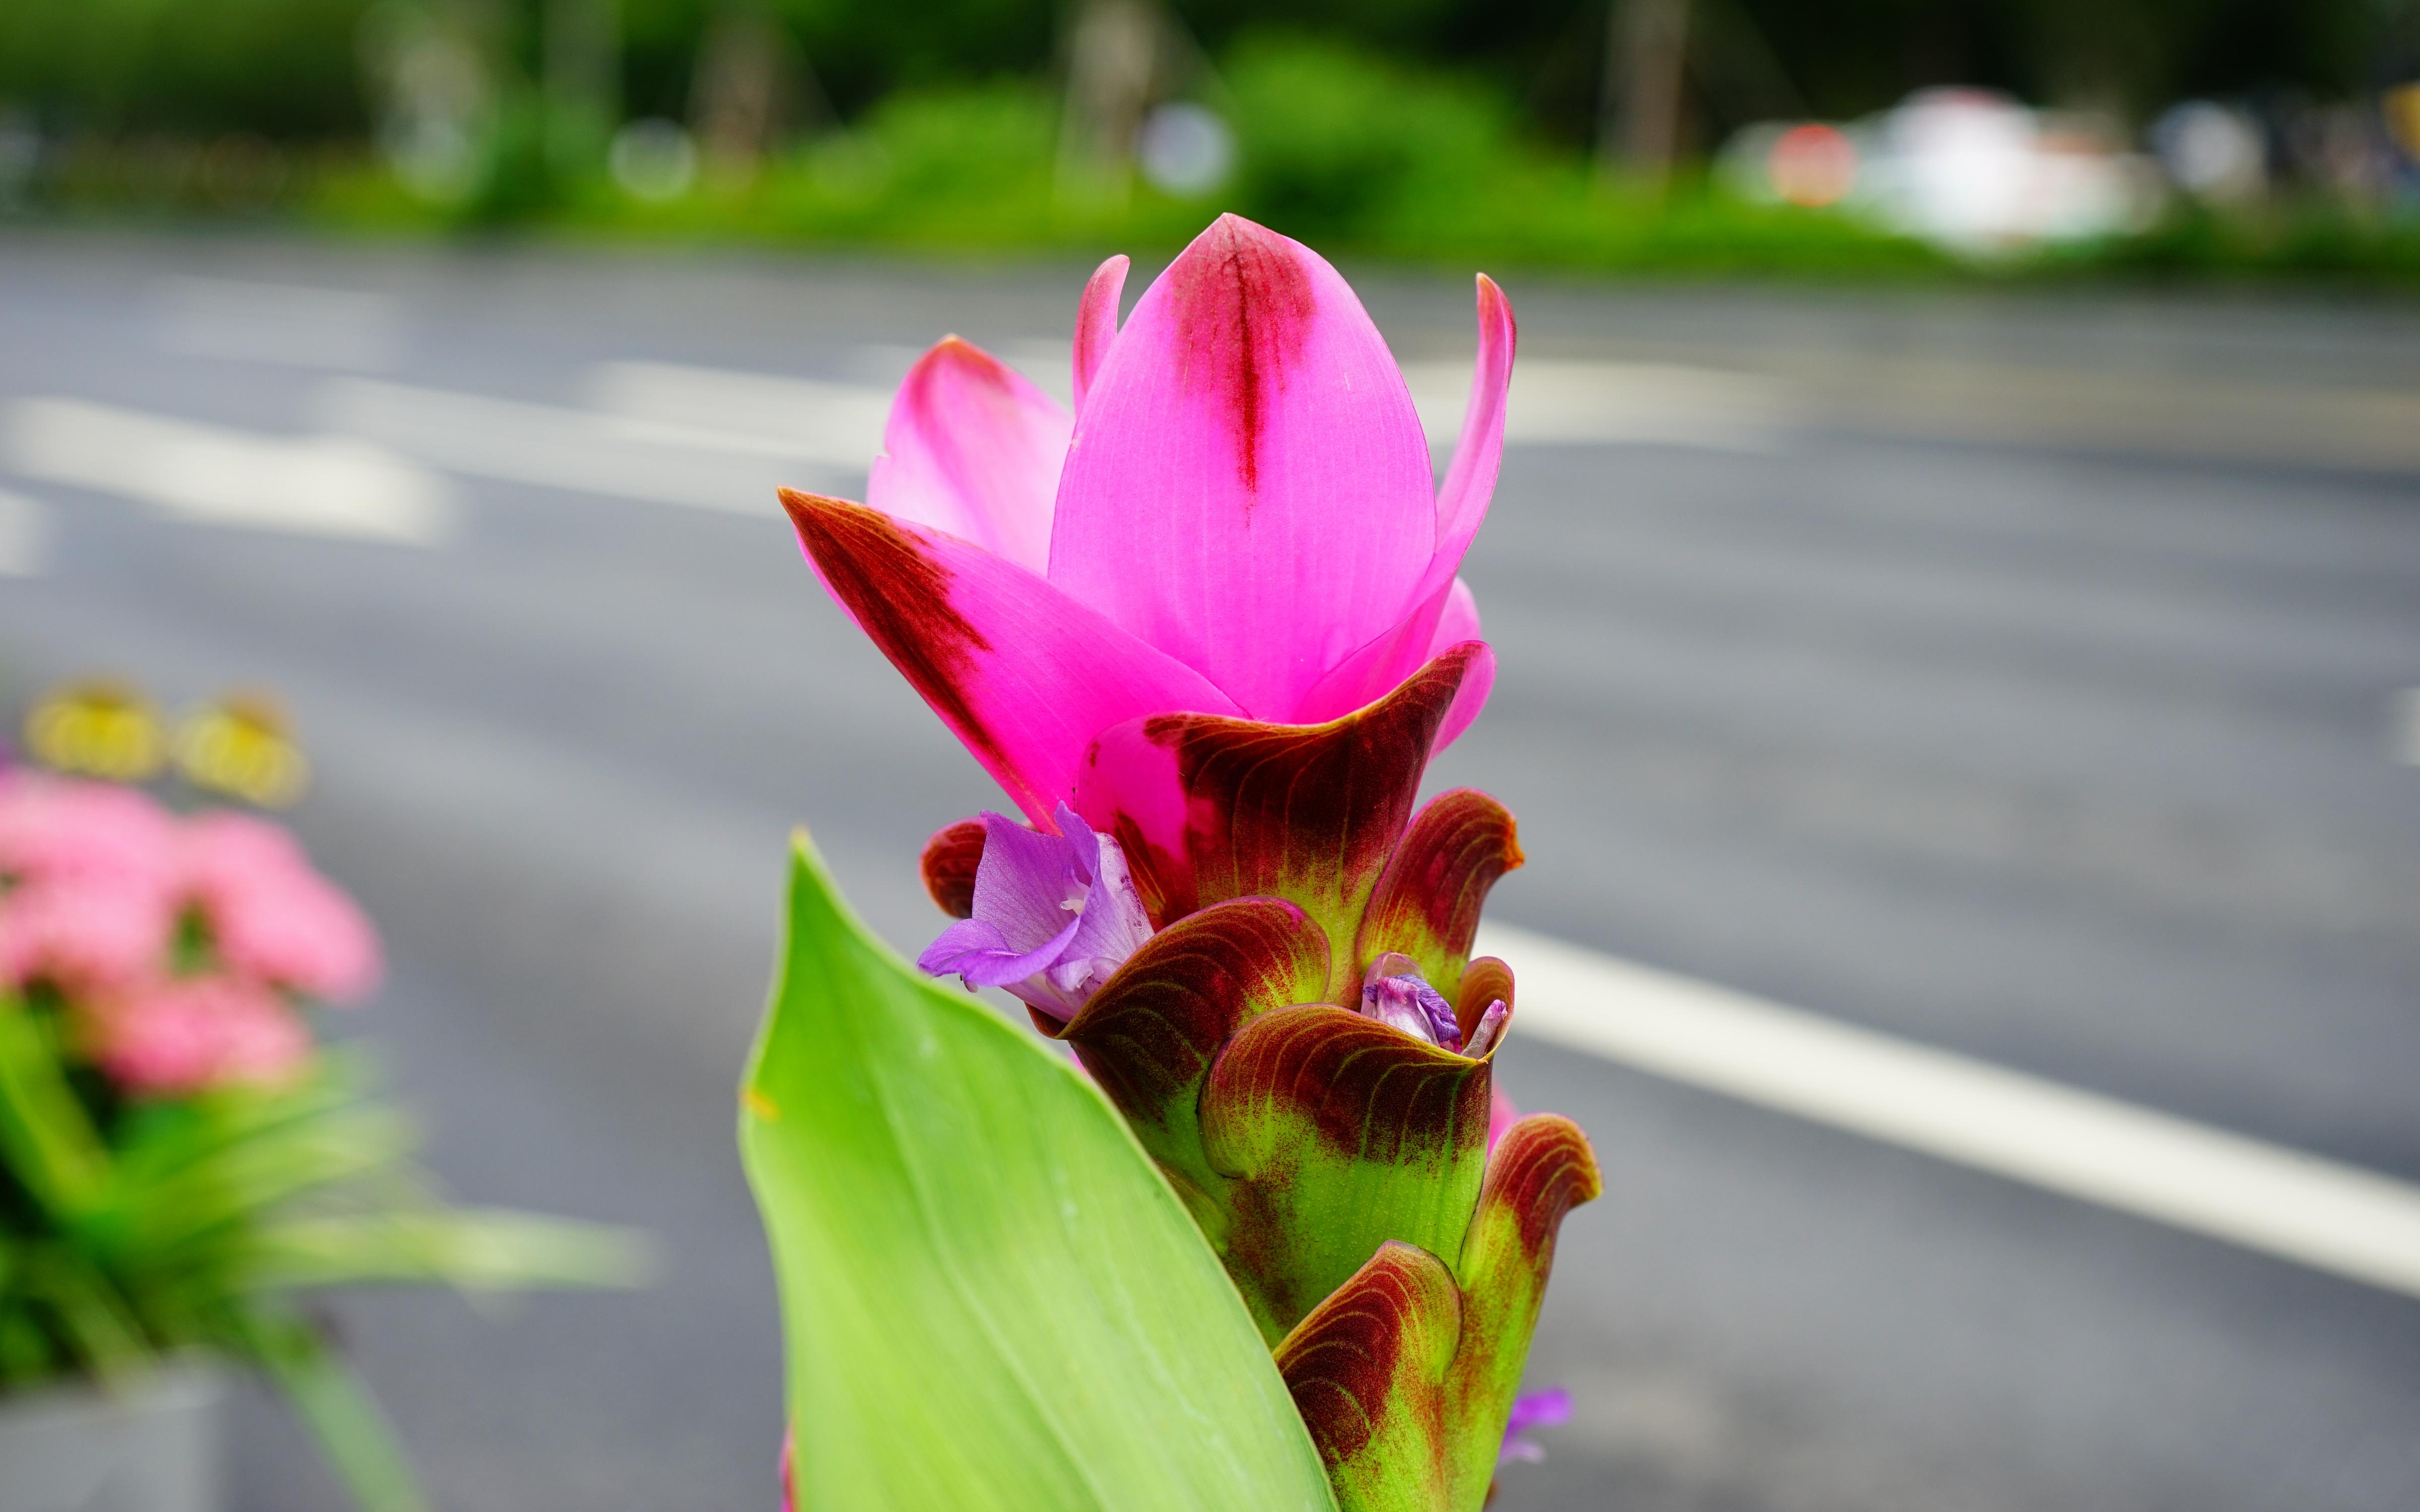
(88, 882)
(271, 916)
(86, 934)
(180, 1037)
(1239, 518)
(54, 826)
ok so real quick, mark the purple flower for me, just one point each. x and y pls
(1395, 994)
(1533, 1410)
(1055, 916)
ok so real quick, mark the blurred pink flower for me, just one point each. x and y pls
(85, 933)
(88, 880)
(93, 877)
(271, 916)
(54, 826)
(202, 1032)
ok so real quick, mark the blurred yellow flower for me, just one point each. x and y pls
(98, 727)
(239, 745)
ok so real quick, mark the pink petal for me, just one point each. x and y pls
(1096, 321)
(85, 933)
(186, 1036)
(1021, 672)
(1248, 491)
(1479, 455)
(1443, 613)
(271, 917)
(1447, 617)
(973, 449)
(54, 826)
(1457, 625)
(303, 935)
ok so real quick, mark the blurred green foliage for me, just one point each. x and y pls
(1338, 144)
(1433, 130)
(278, 68)
(290, 67)
(1342, 148)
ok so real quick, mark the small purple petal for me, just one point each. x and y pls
(1491, 1026)
(1548, 1408)
(1026, 884)
(1113, 925)
(1534, 1409)
(1055, 916)
(1401, 998)
(962, 940)
(974, 950)
(1084, 847)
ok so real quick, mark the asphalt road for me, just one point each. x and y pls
(2013, 676)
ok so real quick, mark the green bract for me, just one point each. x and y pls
(992, 1298)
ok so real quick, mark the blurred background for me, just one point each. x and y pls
(1871, 135)
(1956, 571)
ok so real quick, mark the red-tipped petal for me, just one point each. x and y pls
(1021, 674)
(1341, 1133)
(949, 865)
(1428, 901)
(973, 449)
(1209, 808)
(1367, 1370)
(1150, 1034)
(1540, 1169)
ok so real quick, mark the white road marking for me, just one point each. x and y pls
(2319, 1213)
(281, 323)
(24, 536)
(216, 475)
(1615, 404)
(654, 460)
(831, 424)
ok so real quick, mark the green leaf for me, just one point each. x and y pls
(991, 1297)
(45, 1137)
(355, 1436)
(467, 1248)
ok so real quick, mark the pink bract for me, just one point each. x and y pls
(188, 1036)
(1239, 521)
